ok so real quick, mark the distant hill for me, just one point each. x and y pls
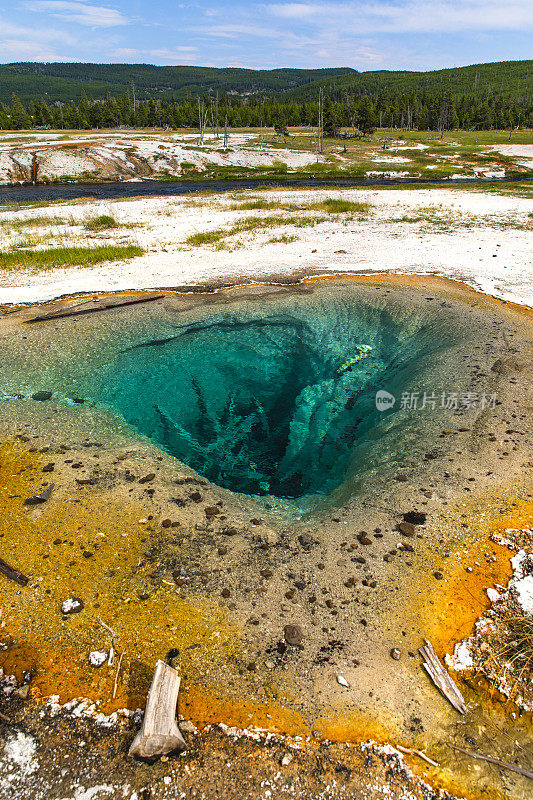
(500, 77)
(58, 81)
(64, 82)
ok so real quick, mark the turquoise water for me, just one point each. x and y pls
(273, 397)
(261, 405)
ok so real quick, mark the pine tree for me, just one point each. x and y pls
(330, 118)
(19, 118)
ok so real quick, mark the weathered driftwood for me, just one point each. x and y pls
(12, 573)
(160, 734)
(441, 679)
(40, 498)
(412, 752)
(117, 674)
(98, 304)
(491, 760)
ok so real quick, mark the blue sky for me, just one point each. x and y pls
(377, 34)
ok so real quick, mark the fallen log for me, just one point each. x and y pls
(159, 734)
(441, 679)
(12, 573)
(99, 304)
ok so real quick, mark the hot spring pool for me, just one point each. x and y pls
(264, 393)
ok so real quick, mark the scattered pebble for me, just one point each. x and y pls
(293, 634)
(73, 605)
(341, 680)
(395, 654)
(97, 658)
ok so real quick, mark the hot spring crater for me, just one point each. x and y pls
(272, 391)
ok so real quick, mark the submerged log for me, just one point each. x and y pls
(37, 499)
(159, 734)
(98, 304)
(12, 573)
(441, 679)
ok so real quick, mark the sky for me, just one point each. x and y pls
(378, 34)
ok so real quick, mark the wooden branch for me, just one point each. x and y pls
(496, 761)
(160, 734)
(117, 673)
(113, 633)
(100, 304)
(12, 573)
(441, 679)
(419, 753)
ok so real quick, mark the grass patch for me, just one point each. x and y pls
(67, 256)
(207, 237)
(255, 205)
(285, 238)
(31, 222)
(335, 206)
(251, 224)
(103, 222)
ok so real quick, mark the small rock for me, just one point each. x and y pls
(97, 658)
(166, 523)
(266, 573)
(288, 757)
(306, 540)
(42, 396)
(48, 467)
(341, 680)
(225, 593)
(415, 517)
(23, 692)
(400, 477)
(364, 538)
(407, 528)
(395, 654)
(147, 478)
(293, 634)
(438, 575)
(211, 511)
(187, 727)
(73, 605)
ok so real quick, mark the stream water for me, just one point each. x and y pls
(149, 188)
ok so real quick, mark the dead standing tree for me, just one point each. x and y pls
(203, 115)
(320, 134)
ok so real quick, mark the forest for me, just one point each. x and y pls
(486, 96)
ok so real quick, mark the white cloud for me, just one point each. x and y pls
(234, 31)
(28, 50)
(412, 16)
(82, 13)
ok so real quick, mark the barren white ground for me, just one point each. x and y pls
(486, 242)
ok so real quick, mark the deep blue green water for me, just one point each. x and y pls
(262, 405)
(265, 397)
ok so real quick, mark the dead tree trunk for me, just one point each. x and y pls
(159, 734)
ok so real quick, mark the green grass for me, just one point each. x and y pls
(31, 222)
(252, 224)
(335, 206)
(285, 238)
(67, 256)
(101, 223)
(208, 237)
(255, 205)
